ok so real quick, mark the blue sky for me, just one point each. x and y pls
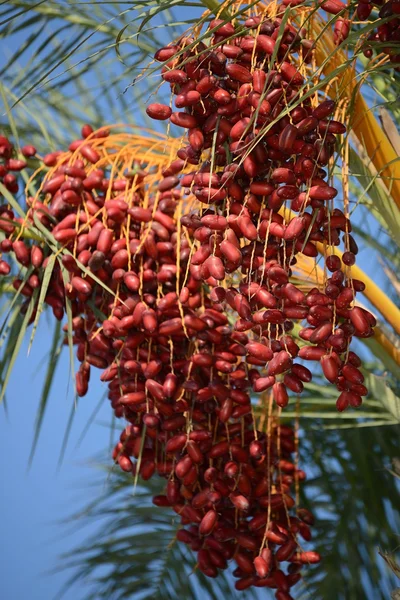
(33, 503)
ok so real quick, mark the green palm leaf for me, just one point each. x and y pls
(136, 554)
(133, 555)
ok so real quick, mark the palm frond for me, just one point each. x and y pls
(355, 497)
(136, 555)
(317, 407)
(133, 554)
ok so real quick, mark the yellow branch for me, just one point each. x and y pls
(387, 345)
(378, 147)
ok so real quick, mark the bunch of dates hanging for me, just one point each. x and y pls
(176, 370)
(259, 151)
(386, 16)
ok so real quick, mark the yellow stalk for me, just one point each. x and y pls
(387, 345)
(378, 147)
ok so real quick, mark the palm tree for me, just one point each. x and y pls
(72, 63)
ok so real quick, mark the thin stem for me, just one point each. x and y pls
(214, 6)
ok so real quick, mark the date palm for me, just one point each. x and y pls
(71, 63)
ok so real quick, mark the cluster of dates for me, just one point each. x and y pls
(257, 154)
(232, 486)
(10, 166)
(387, 33)
(176, 370)
(196, 314)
